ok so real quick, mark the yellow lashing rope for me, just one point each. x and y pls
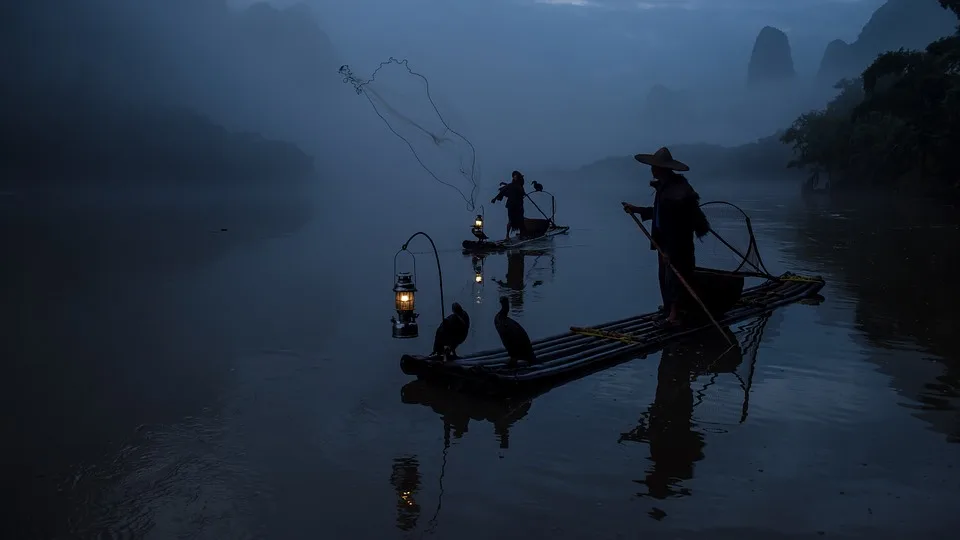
(632, 340)
(803, 279)
(606, 334)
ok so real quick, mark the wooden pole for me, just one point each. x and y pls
(681, 278)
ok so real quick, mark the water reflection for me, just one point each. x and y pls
(876, 254)
(478, 277)
(456, 409)
(518, 276)
(668, 425)
(405, 479)
(105, 315)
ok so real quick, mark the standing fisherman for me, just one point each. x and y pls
(514, 192)
(676, 217)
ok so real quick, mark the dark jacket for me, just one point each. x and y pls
(677, 217)
(514, 193)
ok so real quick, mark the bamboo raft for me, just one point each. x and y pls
(499, 246)
(588, 349)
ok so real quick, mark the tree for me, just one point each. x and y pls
(901, 116)
(952, 5)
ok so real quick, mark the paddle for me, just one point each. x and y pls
(680, 277)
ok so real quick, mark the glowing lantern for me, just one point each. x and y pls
(477, 228)
(405, 323)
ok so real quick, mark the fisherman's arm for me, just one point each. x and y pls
(646, 212)
(500, 194)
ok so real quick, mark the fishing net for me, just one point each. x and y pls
(730, 245)
(401, 98)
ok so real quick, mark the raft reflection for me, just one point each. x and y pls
(668, 425)
(456, 409)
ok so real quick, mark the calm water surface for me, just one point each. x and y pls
(256, 392)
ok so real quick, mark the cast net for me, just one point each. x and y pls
(401, 98)
(730, 245)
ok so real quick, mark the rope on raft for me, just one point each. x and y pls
(607, 334)
(630, 339)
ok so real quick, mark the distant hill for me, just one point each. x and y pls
(911, 24)
(765, 157)
(99, 90)
(58, 139)
(771, 59)
(774, 92)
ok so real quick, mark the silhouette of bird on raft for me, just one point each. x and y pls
(514, 338)
(454, 328)
(451, 333)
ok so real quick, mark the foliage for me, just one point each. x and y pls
(952, 5)
(899, 118)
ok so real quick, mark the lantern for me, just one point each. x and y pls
(405, 323)
(477, 228)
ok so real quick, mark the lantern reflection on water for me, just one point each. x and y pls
(478, 278)
(405, 478)
(405, 323)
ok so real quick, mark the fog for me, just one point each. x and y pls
(198, 217)
(533, 84)
(560, 84)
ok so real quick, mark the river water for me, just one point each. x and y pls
(242, 383)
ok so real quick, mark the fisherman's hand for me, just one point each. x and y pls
(493, 200)
(629, 208)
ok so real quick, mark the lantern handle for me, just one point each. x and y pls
(436, 254)
(403, 249)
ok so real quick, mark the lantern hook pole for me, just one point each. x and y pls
(436, 254)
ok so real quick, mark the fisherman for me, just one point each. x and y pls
(514, 192)
(676, 217)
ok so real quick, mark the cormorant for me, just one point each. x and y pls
(512, 335)
(452, 332)
(482, 236)
(537, 186)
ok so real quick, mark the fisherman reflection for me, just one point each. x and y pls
(668, 426)
(405, 479)
(456, 409)
(515, 282)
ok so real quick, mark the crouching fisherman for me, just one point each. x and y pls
(514, 193)
(676, 217)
